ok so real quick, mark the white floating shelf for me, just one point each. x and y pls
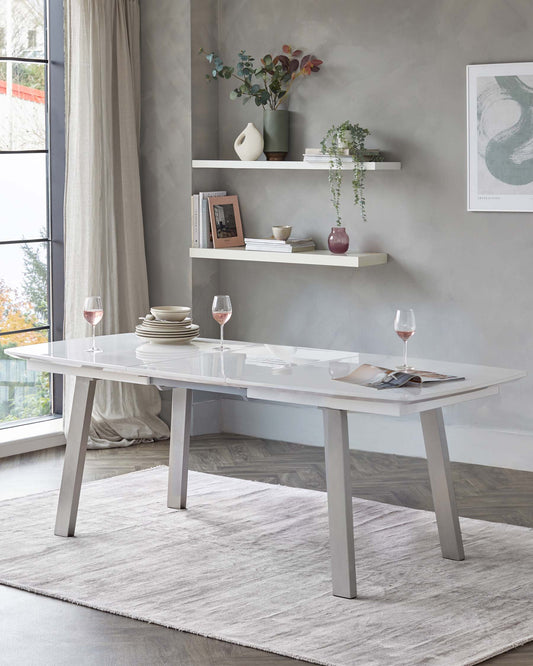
(303, 166)
(315, 258)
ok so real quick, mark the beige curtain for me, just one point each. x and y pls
(104, 243)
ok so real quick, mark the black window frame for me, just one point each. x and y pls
(54, 60)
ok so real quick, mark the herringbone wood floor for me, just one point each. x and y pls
(92, 637)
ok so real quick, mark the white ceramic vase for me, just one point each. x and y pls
(249, 144)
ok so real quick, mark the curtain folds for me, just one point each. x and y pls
(104, 242)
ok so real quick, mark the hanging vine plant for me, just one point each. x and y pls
(338, 139)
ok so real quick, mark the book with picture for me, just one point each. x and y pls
(383, 378)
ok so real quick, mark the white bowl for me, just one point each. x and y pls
(170, 312)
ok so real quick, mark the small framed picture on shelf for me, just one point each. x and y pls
(226, 223)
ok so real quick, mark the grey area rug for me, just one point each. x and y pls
(249, 563)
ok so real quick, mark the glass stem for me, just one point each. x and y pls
(94, 338)
(222, 336)
(405, 354)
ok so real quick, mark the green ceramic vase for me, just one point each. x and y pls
(276, 134)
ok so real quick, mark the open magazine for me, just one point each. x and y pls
(382, 378)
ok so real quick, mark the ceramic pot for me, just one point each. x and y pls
(343, 141)
(338, 240)
(249, 144)
(281, 233)
(276, 134)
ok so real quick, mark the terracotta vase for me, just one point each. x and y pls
(338, 240)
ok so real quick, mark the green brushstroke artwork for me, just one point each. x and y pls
(509, 153)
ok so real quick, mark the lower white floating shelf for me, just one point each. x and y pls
(316, 258)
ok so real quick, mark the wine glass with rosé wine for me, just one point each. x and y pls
(405, 327)
(221, 314)
(93, 311)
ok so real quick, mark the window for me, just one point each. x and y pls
(31, 195)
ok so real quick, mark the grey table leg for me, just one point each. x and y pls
(340, 511)
(178, 463)
(78, 432)
(440, 476)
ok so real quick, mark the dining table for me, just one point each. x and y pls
(280, 374)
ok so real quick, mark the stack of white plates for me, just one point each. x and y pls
(167, 332)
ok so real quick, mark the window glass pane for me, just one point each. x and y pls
(22, 28)
(23, 188)
(23, 286)
(24, 394)
(22, 106)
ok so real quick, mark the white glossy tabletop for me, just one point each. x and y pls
(248, 365)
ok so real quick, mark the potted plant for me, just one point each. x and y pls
(269, 85)
(339, 141)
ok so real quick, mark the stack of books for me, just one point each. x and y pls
(200, 224)
(273, 245)
(316, 156)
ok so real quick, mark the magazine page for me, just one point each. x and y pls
(381, 378)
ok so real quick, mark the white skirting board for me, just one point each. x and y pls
(382, 434)
(31, 437)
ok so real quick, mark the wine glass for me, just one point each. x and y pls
(405, 327)
(221, 313)
(93, 311)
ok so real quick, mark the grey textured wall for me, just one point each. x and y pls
(166, 147)
(398, 68)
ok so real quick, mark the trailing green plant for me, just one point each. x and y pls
(268, 84)
(338, 138)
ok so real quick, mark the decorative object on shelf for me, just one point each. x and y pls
(281, 233)
(195, 221)
(316, 156)
(274, 245)
(249, 144)
(500, 137)
(226, 224)
(338, 240)
(276, 134)
(275, 78)
(353, 136)
(206, 237)
(200, 224)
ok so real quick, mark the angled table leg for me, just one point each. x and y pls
(78, 432)
(178, 463)
(440, 476)
(340, 510)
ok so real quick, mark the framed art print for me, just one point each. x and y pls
(500, 137)
(226, 224)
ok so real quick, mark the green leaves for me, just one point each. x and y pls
(352, 136)
(276, 74)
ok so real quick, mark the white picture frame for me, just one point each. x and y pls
(500, 137)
